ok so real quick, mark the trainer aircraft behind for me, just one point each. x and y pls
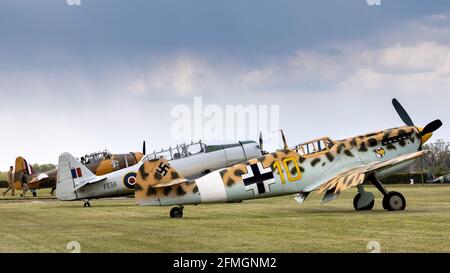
(77, 182)
(324, 165)
(99, 163)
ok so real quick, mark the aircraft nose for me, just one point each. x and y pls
(427, 131)
(425, 137)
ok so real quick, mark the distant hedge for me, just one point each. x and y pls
(404, 178)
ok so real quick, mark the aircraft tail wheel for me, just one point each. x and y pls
(87, 205)
(176, 212)
(394, 201)
(364, 202)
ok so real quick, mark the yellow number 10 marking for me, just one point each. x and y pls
(291, 178)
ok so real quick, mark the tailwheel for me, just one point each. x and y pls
(394, 201)
(87, 204)
(176, 212)
(364, 201)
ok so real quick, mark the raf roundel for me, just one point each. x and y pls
(129, 180)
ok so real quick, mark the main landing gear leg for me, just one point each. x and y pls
(364, 200)
(176, 212)
(392, 200)
(86, 203)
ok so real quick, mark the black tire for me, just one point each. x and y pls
(355, 203)
(176, 212)
(384, 202)
(393, 201)
(87, 205)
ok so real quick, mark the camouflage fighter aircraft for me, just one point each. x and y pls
(77, 182)
(99, 163)
(324, 165)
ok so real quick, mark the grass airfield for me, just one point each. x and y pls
(267, 225)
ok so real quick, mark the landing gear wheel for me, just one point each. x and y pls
(367, 207)
(176, 212)
(87, 204)
(394, 201)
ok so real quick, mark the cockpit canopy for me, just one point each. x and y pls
(314, 146)
(180, 151)
(96, 157)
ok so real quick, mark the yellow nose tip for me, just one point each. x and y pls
(425, 137)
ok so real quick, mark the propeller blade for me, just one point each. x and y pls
(144, 148)
(261, 142)
(431, 127)
(284, 139)
(402, 113)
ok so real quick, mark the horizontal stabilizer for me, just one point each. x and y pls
(88, 182)
(38, 178)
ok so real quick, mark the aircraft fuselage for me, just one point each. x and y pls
(303, 168)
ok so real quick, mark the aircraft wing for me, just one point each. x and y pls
(96, 179)
(356, 176)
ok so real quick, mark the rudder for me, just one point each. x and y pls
(70, 174)
(22, 167)
(154, 174)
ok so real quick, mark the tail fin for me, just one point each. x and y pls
(156, 173)
(71, 173)
(21, 167)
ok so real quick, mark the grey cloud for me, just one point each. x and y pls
(99, 30)
(106, 74)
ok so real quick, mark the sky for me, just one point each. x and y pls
(107, 74)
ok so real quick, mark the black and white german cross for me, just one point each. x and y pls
(258, 179)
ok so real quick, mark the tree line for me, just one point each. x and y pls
(436, 163)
